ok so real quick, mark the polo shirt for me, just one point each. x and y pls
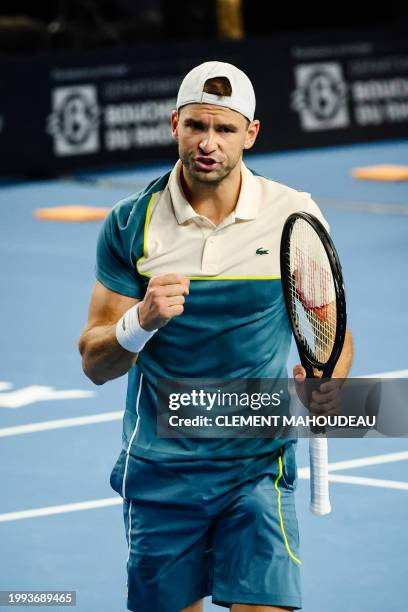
(234, 324)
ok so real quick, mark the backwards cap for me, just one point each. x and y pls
(242, 98)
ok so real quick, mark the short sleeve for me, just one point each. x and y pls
(115, 268)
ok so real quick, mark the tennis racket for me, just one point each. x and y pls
(314, 295)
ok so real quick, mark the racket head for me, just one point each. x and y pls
(307, 255)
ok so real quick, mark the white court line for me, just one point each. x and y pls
(89, 505)
(113, 416)
(5, 386)
(394, 374)
(304, 473)
(365, 461)
(60, 423)
(39, 393)
(378, 208)
(369, 482)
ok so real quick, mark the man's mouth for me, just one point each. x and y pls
(206, 163)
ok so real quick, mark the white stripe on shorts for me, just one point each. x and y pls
(132, 437)
(129, 542)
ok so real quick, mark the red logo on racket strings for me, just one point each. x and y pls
(313, 285)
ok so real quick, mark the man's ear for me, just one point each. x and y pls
(252, 133)
(174, 124)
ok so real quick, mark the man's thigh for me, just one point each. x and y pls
(198, 606)
(169, 562)
(169, 559)
(256, 547)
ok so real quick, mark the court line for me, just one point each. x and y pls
(60, 423)
(393, 374)
(36, 512)
(113, 416)
(361, 462)
(303, 473)
(365, 461)
(369, 482)
(376, 208)
(40, 393)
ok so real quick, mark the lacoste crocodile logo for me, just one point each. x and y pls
(262, 251)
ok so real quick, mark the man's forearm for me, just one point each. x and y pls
(102, 356)
(346, 357)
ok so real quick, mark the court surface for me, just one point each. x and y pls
(60, 523)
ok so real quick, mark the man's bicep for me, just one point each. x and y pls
(106, 306)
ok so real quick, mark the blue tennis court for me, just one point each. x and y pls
(61, 525)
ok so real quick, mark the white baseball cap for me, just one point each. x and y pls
(242, 98)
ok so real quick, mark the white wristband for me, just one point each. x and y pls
(130, 335)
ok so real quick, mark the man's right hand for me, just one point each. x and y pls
(164, 299)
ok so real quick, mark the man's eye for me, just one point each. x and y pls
(225, 130)
(195, 126)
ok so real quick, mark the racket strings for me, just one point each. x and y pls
(312, 291)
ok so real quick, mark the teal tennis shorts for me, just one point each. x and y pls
(224, 527)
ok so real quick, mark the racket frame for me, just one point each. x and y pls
(307, 359)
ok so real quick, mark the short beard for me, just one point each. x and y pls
(204, 178)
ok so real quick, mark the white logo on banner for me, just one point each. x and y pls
(74, 120)
(320, 97)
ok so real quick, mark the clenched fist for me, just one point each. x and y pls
(164, 299)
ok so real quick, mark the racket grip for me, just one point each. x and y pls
(319, 475)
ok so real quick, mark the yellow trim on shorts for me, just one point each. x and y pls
(282, 526)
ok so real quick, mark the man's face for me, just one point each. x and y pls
(211, 140)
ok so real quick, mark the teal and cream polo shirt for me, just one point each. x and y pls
(234, 324)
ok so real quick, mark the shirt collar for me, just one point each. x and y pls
(246, 208)
(248, 202)
(182, 208)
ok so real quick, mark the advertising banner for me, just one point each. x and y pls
(113, 107)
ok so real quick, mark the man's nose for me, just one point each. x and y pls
(208, 143)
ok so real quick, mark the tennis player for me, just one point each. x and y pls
(188, 287)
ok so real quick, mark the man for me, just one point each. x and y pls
(188, 287)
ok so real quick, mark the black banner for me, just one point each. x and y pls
(113, 107)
